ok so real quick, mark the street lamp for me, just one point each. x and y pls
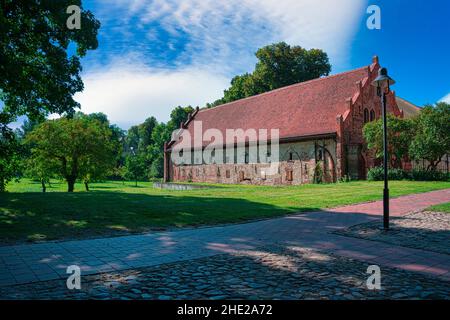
(383, 83)
(134, 165)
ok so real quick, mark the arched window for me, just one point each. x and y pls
(372, 115)
(366, 115)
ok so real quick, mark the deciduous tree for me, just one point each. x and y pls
(78, 146)
(432, 138)
(400, 134)
(38, 74)
(278, 65)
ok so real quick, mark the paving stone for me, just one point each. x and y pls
(421, 230)
(270, 260)
(339, 278)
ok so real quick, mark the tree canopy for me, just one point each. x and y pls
(79, 148)
(278, 65)
(39, 66)
(39, 74)
(400, 134)
(425, 137)
(432, 138)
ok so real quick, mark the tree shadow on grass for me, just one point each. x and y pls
(58, 215)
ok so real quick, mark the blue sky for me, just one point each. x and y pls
(157, 54)
(414, 44)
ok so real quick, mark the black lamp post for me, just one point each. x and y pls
(134, 164)
(383, 83)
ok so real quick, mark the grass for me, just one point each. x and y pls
(115, 208)
(444, 207)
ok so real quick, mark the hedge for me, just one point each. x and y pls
(376, 174)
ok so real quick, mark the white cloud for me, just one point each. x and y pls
(446, 98)
(129, 95)
(221, 31)
(220, 40)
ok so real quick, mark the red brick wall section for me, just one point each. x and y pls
(366, 98)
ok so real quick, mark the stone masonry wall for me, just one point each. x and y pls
(296, 166)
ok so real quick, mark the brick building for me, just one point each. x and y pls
(320, 129)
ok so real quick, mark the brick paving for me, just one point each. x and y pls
(24, 264)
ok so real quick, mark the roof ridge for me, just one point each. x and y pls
(298, 84)
(407, 101)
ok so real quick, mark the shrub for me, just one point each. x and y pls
(318, 173)
(422, 175)
(376, 174)
(344, 179)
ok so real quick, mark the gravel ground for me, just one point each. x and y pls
(423, 230)
(267, 273)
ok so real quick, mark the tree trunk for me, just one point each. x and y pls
(86, 185)
(43, 185)
(70, 184)
(72, 177)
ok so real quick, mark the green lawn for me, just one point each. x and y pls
(115, 208)
(445, 207)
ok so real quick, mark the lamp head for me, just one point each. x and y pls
(383, 80)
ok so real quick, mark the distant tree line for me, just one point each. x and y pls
(143, 154)
(88, 148)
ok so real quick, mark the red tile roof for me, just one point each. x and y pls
(409, 110)
(302, 109)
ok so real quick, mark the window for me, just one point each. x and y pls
(366, 115)
(290, 156)
(289, 175)
(372, 115)
(246, 157)
(227, 174)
